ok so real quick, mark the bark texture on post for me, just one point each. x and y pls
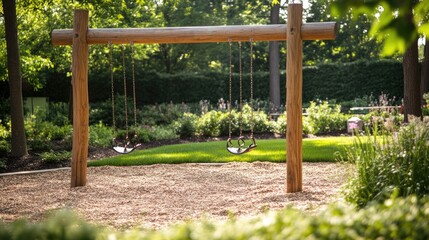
(294, 99)
(80, 98)
(19, 143)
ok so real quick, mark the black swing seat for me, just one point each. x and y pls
(124, 149)
(241, 149)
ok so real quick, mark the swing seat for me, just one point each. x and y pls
(241, 149)
(124, 149)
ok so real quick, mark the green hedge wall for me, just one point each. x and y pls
(326, 81)
(351, 80)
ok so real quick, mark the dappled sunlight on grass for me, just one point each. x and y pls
(272, 150)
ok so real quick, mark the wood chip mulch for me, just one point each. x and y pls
(155, 196)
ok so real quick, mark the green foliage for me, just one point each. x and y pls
(185, 126)
(323, 118)
(351, 43)
(395, 218)
(41, 134)
(209, 124)
(425, 109)
(56, 157)
(395, 30)
(58, 113)
(2, 162)
(100, 135)
(339, 81)
(347, 81)
(279, 126)
(216, 123)
(59, 225)
(4, 147)
(5, 130)
(163, 133)
(389, 164)
(162, 114)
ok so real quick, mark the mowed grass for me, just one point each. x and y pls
(272, 150)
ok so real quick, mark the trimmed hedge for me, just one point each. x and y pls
(334, 81)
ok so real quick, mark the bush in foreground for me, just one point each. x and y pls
(402, 218)
(390, 164)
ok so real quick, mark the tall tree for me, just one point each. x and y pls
(19, 143)
(274, 52)
(351, 43)
(410, 64)
(424, 87)
(397, 23)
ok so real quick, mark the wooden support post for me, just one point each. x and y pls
(294, 99)
(296, 31)
(80, 98)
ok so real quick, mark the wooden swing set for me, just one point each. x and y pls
(295, 31)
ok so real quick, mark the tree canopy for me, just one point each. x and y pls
(37, 19)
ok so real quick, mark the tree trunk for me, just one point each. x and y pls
(19, 144)
(425, 70)
(412, 96)
(274, 62)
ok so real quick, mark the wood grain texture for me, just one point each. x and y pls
(80, 98)
(294, 100)
(200, 34)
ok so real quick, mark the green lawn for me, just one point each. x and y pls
(273, 150)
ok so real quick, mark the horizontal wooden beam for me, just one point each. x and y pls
(200, 34)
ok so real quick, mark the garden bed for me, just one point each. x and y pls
(157, 195)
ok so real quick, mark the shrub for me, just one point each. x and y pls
(216, 123)
(209, 124)
(395, 219)
(2, 164)
(60, 225)
(393, 163)
(56, 157)
(40, 134)
(279, 126)
(100, 135)
(163, 133)
(4, 147)
(323, 118)
(261, 124)
(425, 109)
(5, 130)
(185, 126)
(58, 113)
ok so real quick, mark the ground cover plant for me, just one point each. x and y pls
(389, 164)
(396, 218)
(272, 150)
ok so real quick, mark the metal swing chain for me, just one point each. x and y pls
(230, 88)
(113, 92)
(125, 91)
(241, 91)
(251, 88)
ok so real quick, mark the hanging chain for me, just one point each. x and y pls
(125, 91)
(241, 91)
(230, 88)
(251, 88)
(134, 85)
(113, 89)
